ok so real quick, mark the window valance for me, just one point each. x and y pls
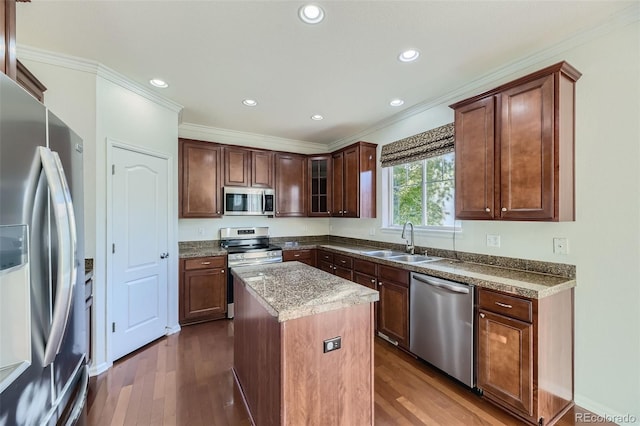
(428, 144)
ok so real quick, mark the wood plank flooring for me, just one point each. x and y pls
(185, 379)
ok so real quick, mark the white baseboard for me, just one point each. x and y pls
(172, 329)
(606, 413)
(95, 370)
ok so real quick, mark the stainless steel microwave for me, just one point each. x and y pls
(240, 201)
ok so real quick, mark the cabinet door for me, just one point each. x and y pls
(262, 169)
(475, 163)
(200, 189)
(393, 312)
(337, 184)
(204, 295)
(320, 178)
(290, 185)
(237, 166)
(527, 151)
(505, 360)
(351, 183)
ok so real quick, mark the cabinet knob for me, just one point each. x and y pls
(380, 283)
(222, 272)
(328, 211)
(504, 209)
(487, 210)
(218, 212)
(482, 315)
(277, 212)
(373, 280)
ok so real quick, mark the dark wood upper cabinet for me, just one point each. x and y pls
(515, 149)
(248, 167)
(354, 181)
(291, 187)
(237, 166)
(199, 179)
(262, 169)
(320, 178)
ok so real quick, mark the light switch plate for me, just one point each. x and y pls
(493, 240)
(560, 245)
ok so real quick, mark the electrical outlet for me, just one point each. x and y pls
(493, 240)
(332, 344)
(201, 232)
(560, 245)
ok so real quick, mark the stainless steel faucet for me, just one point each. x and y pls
(410, 247)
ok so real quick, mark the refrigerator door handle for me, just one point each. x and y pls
(67, 239)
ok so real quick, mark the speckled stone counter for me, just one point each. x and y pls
(189, 249)
(518, 282)
(293, 290)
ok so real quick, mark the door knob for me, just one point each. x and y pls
(164, 255)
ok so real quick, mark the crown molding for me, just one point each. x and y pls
(93, 67)
(496, 76)
(255, 140)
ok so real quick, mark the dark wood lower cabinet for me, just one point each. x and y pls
(525, 354)
(203, 289)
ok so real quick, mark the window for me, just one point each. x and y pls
(423, 192)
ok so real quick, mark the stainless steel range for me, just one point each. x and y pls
(247, 246)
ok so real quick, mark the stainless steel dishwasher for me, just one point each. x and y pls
(441, 325)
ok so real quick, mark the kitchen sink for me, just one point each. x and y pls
(413, 258)
(382, 253)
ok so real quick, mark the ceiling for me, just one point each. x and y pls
(214, 54)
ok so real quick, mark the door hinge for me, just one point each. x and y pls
(113, 169)
(113, 327)
(113, 248)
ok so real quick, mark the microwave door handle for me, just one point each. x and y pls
(67, 270)
(264, 202)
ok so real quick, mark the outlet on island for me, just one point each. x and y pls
(332, 344)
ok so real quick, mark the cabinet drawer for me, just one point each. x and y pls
(325, 266)
(205, 262)
(365, 267)
(505, 305)
(325, 256)
(289, 255)
(395, 275)
(343, 261)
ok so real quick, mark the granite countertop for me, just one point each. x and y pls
(511, 279)
(190, 249)
(522, 283)
(293, 290)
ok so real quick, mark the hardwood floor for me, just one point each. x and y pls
(186, 379)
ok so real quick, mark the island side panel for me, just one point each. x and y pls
(333, 388)
(257, 356)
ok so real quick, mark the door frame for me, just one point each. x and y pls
(172, 325)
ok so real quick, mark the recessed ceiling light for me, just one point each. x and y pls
(249, 102)
(158, 83)
(396, 102)
(311, 13)
(317, 117)
(409, 55)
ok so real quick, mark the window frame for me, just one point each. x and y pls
(387, 209)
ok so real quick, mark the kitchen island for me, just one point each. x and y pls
(303, 351)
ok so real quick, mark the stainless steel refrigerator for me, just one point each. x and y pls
(43, 372)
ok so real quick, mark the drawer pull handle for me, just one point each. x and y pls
(504, 305)
(343, 261)
(296, 255)
(206, 263)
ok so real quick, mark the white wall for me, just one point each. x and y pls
(129, 118)
(604, 240)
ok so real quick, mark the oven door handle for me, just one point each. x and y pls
(256, 262)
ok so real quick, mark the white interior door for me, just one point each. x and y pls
(140, 240)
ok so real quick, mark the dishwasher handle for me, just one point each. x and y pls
(441, 284)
